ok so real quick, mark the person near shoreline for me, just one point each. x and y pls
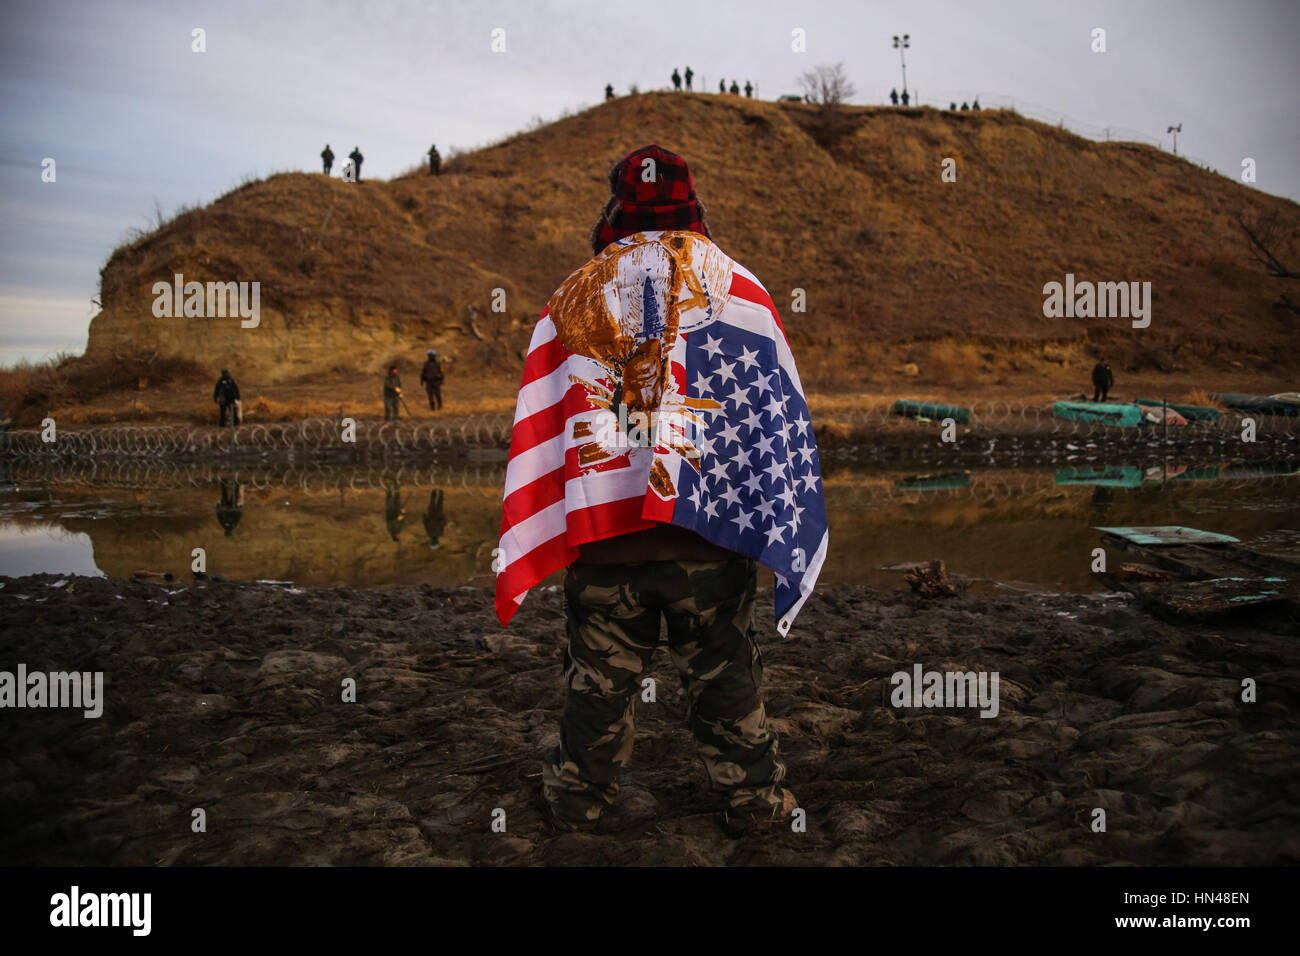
(665, 524)
(1103, 380)
(392, 393)
(226, 394)
(431, 378)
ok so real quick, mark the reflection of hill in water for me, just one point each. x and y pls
(324, 526)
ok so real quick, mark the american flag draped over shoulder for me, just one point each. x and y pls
(660, 387)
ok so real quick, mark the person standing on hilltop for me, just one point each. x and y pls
(609, 91)
(905, 97)
(327, 158)
(735, 88)
(431, 378)
(435, 161)
(226, 395)
(1103, 380)
(749, 90)
(663, 520)
(677, 79)
(689, 75)
(893, 96)
(392, 392)
(722, 86)
(356, 158)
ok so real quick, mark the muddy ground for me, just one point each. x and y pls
(226, 697)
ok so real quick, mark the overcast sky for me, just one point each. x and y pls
(113, 92)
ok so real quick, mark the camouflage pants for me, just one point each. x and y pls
(612, 616)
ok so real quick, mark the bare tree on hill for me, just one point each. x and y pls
(827, 85)
(1269, 239)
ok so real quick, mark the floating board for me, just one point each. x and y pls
(1164, 534)
(1115, 476)
(1100, 412)
(1193, 413)
(912, 408)
(957, 479)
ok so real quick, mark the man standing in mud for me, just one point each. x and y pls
(392, 393)
(431, 378)
(633, 523)
(226, 395)
(1103, 380)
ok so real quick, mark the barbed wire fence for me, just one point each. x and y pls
(836, 428)
(319, 435)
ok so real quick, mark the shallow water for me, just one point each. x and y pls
(1030, 527)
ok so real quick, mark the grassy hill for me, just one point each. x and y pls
(904, 274)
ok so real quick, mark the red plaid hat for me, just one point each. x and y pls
(666, 202)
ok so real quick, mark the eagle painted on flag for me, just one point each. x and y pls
(659, 387)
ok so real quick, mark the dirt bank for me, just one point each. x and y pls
(226, 697)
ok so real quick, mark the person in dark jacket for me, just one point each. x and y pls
(1103, 380)
(392, 392)
(356, 158)
(690, 75)
(327, 158)
(677, 79)
(226, 394)
(609, 91)
(893, 96)
(431, 378)
(435, 161)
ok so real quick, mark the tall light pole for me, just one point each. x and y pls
(901, 44)
(1175, 130)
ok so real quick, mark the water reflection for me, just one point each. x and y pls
(320, 526)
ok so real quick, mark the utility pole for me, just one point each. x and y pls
(1175, 130)
(901, 44)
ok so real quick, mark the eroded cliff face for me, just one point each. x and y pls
(850, 225)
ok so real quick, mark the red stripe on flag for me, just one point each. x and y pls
(549, 422)
(607, 520)
(525, 501)
(522, 573)
(751, 291)
(544, 360)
